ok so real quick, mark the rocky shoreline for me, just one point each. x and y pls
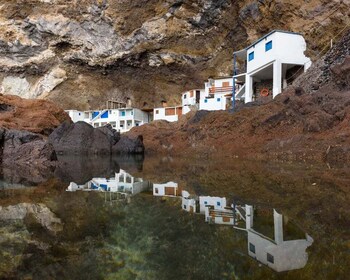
(34, 132)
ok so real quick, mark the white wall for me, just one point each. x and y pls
(286, 47)
(189, 204)
(161, 115)
(218, 203)
(75, 115)
(159, 189)
(212, 104)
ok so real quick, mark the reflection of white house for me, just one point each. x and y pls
(272, 63)
(123, 182)
(167, 189)
(188, 204)
(122, 119)
(219, 203)
(170, 114)
(278, 253)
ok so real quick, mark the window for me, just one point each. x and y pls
(218, 203)
(268, 46)
(104, 115)
(185, 96)
(205, 202)
(218, 99)
(79, 114)
(157, 112)
(156, 190)
(205, 100)
(132, 113)
(270, 258)
(122, 113)
(252, 248)
(185, 207)
(251, 56)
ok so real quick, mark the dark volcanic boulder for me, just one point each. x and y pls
(128, 145)
(25, 148)
(25, 156)
(111, 133)
(80, 139)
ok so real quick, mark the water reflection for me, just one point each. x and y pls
(280, 244)
(136, 230)
(272, 239)
(122, 186)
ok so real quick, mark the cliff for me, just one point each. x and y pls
(308, 121)
(81, 53)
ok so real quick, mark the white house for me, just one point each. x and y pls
(277, 252)
(170, 114)
(168, 189)
(122, 119)
(190, 100)
(217, 94)
(272, 62)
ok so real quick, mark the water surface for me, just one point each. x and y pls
(167, 218)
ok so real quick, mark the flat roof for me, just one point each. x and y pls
(267, 35)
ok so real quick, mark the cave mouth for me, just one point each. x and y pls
(6, 108)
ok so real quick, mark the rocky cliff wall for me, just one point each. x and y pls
(81, 53)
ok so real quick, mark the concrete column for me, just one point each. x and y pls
(277, 78)
(248, 89)
(278, 225)
(249, 217)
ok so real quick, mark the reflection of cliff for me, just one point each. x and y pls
(40, 214)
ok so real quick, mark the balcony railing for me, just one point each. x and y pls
(214, 90)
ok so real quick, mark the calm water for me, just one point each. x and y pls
(165, 218)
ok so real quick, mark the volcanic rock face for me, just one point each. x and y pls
(295, 125)
(81, 53)
(37, 116)
(82, 139)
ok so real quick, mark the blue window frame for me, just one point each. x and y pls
(251, 56)
(205, 202)
(268, 46)
(218, 99)
(122, 113)
(95, 114)
(205, 100)
(218, 203)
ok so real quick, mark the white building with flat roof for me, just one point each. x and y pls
(272, 62)
(122, 119)
(170, 114)
(190, 100)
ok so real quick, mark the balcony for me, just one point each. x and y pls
(214, 90)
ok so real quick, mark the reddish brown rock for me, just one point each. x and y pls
(37, 116)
